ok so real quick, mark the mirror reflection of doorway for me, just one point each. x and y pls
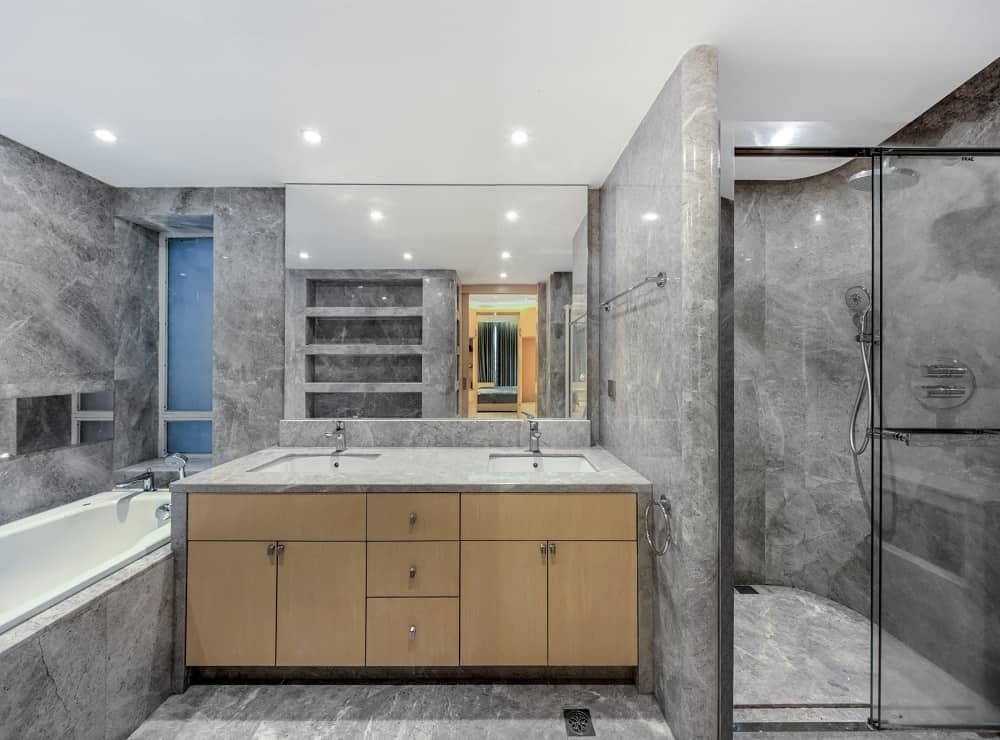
(501, 378)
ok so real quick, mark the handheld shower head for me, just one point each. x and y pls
(859, 301)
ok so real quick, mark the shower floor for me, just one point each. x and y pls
(799, 657)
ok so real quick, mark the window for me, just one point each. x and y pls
(186, 345)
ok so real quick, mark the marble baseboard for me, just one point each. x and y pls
(96, 664)
(556, 433)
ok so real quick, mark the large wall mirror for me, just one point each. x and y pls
(431, 301)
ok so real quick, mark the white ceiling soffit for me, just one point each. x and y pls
(462, 228)
(218, 93)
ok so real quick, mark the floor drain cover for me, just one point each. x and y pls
(746, 590)
(578, 723)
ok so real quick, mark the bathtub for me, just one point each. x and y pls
(50, 556)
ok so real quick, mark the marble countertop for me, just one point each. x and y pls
(415, 469)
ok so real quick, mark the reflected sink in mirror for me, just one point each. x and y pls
(539, 464)
(342, 462)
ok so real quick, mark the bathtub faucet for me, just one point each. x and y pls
(148, 482)
(182, 460)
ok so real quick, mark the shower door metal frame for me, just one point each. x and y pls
(879, 433)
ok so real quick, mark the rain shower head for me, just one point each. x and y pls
(893, 178)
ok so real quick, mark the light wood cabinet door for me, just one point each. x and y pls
(503, 603)
(413, 516)
(412, 632)
(276, 516)
(548, 516)
(592, 604)
(321, 604)
(231, 590)
(413, 569)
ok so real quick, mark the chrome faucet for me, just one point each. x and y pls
(148, 482)
(534, 433)
(180, 458)
(339, 436)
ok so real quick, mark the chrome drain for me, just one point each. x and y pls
(578, 722)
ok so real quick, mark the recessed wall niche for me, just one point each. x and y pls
(370, 343)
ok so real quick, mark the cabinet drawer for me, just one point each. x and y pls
(412, 632)
(276, 516)
(548, 516)
(413, 569)
(413, 516)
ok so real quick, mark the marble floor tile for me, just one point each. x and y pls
(382, 711)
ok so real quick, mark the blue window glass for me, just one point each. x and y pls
(194, 437)
(189, 324)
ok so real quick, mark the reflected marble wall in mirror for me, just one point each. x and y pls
(432, 301)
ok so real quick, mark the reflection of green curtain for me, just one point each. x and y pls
(496, 350)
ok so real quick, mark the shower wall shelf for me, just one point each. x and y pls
(924, 437)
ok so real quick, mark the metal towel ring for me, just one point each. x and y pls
(663, 504)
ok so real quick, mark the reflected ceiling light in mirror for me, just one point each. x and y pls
(108, 137)
(407, 256)
(503, 275)
(311, 136)
(303, 255)
(650, 216)
(783, 136)
(519, 137)
(376, 215)
(505, 255)
(512, 216)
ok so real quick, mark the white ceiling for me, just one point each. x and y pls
(461, 228)
(216, 93)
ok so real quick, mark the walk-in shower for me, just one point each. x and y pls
(867, 562)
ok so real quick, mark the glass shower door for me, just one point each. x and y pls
(936, 598)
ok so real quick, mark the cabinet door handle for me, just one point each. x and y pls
(270, 548)
(413, 518)
(280, 548)
(413, 632)
(413, 571)
(552, 549)
(542, 549)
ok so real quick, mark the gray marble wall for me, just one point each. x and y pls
(76, 314)
(661, 349)
(558, 295)
(594, 312)
(95, 665)
(542, 348)
(249, 297)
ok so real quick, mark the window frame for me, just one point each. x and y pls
(166, 415)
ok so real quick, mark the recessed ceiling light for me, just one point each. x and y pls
(819, 217)
(503, 275)
(512, 216)
(303, 255)
(650, 216)
(505, 255)
(312, 136)
(376, 215)
(519, 137)
(108, 137)
(407, 256)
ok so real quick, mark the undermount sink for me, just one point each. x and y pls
(338, 462)
(540, 463)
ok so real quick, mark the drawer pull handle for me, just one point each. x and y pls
(413, 518)
(413, 571)
(413, 633)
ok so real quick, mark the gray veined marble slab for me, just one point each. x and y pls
(414, 469)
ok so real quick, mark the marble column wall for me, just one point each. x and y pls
(559, 295)
(660, 347)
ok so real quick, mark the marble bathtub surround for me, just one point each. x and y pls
(79, 311)
(95, 665)
(556, 433)
(660, 348)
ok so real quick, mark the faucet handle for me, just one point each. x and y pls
(339, 426)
